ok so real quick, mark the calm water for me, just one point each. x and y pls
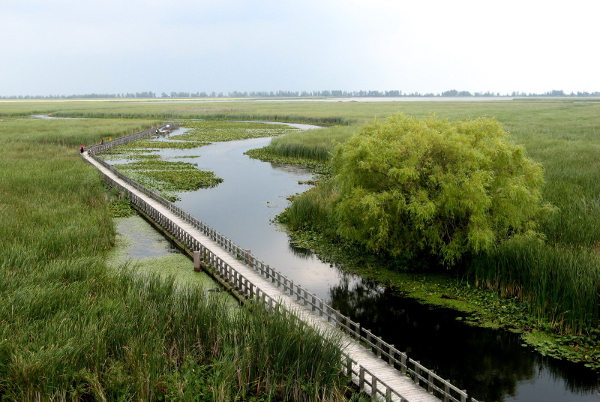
(490, 365)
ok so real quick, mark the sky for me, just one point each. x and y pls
(64, 47)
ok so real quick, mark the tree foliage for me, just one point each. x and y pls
(408, 186)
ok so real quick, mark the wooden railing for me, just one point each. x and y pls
(422, 376)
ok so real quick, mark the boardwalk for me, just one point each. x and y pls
(373, 374)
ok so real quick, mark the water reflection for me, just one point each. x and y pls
(300, 252)
(492, 365)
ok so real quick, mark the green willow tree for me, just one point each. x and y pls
(410, 186)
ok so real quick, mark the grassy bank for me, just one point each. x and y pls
(73, 329)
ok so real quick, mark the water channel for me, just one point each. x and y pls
(491, 365)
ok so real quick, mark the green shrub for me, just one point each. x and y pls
(409, 186)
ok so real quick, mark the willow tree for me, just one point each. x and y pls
(409, 186)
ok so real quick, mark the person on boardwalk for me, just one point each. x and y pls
(81, 149)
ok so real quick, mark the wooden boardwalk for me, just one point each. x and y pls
(404, 388)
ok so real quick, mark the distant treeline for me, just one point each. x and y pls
(300, 94)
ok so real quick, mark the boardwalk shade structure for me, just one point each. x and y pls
(376, 367)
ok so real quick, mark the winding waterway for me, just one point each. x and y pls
(490, 364)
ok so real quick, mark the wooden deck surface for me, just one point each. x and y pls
(390, 376)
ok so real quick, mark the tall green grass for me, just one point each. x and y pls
(558, 284)
(29, 132)
(73, 329)
(311, 144)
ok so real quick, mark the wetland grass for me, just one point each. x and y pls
(311, 144)
(67, 132)
(558, 284)
(74, 329)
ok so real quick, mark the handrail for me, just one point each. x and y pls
(387, 352)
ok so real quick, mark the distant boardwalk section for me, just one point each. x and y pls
(375, 366)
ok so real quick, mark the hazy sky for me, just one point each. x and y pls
(64, 47)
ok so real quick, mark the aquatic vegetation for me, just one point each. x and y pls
(121, 208)
(171, 144)
(169, 177)
(147, 145)
(214, 131)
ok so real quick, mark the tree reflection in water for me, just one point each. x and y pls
(300, 252)
(490, 364)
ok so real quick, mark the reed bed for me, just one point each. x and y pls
(73, 329)
(311, 144)
(67, 132)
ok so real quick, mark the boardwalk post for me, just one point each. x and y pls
(361, 378)
(373, 387)
(446, 391)
(430, 382)
(197, 261)
(247, 257)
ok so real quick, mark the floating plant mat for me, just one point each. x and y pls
(216, 131)
(169, 177)
(144, 250)
(147, 145)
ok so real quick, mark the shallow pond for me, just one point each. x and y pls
(491, 365)
(142, 248)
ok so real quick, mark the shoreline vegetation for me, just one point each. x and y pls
(56, 286)
(73, 328)
(546, 290)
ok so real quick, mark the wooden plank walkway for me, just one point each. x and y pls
(401, 384)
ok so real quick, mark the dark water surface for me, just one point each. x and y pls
(491, 365)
